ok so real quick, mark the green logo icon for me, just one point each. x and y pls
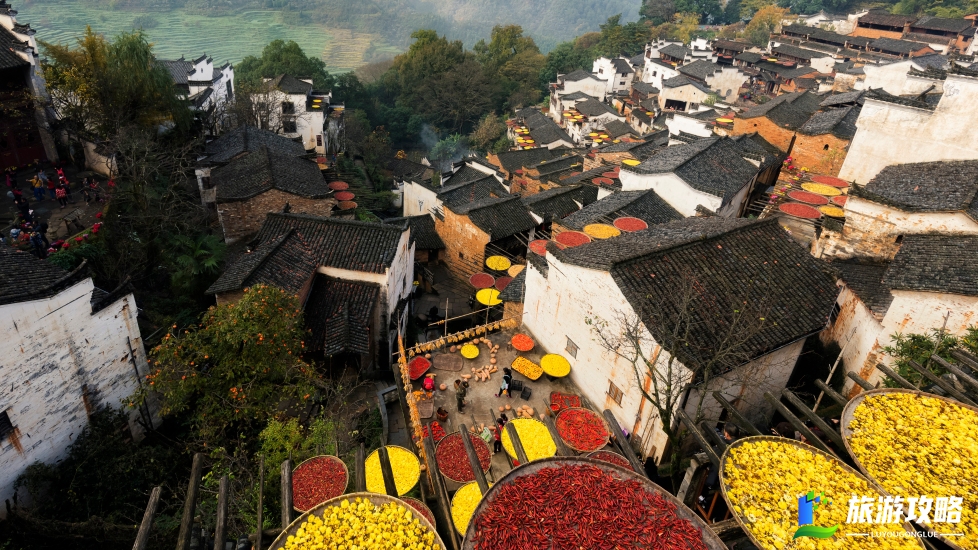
(807, 504)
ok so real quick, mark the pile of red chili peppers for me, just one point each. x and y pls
(317, 480)
(418, 366)
(454, 462)
(582, 429)
(437, 432)
(581, 506)
(610, 457)
(560, 401)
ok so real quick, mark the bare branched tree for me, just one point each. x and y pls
(681, 347)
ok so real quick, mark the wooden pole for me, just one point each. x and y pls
(622, 442)
(893, 375)
(359, 473)
(704, 444)
(441, 492)
(480, 478)
(740, 419)
(517, 444)
(798, 424)
(862, 383)
(221, 524)
(286, 493)
(963, 376)
(945, 385)
(261, 498)
(385, 469)
(833, 395)
(713, 436)
(190, 503)
(562, 449)
(835, 365)
(142, 536)
(830, 432)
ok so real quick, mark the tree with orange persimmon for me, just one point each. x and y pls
(238, 368)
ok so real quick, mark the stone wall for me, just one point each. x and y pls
(58, 363)
(465, 244)
(771, 132)
(244, 218)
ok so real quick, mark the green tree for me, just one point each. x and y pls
(765, 22)
(99, 87)
(506, 42)
(195, 261)
(457, 97)
(565, 58)
(487, 132)
(450, 148)
(617, 39)
(750, 7)
(236, 369)
(686, 25)
(710, 10)
(657, 12)
(428, 56)
(279, 57)
(919, 348)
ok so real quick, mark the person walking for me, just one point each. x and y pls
(497, 434)
(38, 186)
(93, 187)
(39, 249)
(62, 195)
(460, 394)
(52, 186)
(504, 385)
(42, 228)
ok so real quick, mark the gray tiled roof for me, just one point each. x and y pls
(936, 263)
(787, 110)
(545, 131)
(842, 99)
(865, 278)
(423, 232)
(616, 128)
(464, 174)
(573, 96)
(512, 161)
(749, 57)
(498, 217)
(931, 61)
(290, 84)
(714, 165)
(516, 288)
(881, 17)
(556, 203)
(700, 69)
(930, 22)
(644, 88)
(338, 315)
(180, 69)
(285, 262)
(578, 75)
(683, 80)
(796, 52)
(471, 191)
(24, 277)
(675, 51)
(710, 272)
(593, 107)
(942, 186)
(622, 66)
(882, 95)
(645, 205)
(840, 122)
(730, 45)
(247, 139)
(898, 46)
(262, 170)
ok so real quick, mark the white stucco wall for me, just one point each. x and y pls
(824, 65)
(605, 69)
(672, 189)
(895, 79)
(857, 331)
(418, 199)
(654, 73)
(309, 124)
(888, 133)
(882, 221)
(680, 123)
(51, 349)
(593, 87)
(727, 82)
(687, 93)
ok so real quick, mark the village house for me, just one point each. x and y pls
(820, 61)
(710, 173)
(881, 24)
(779, 119)
(574, 295)
(612, 154)
(899, 48)
(642, 91)
(905, 199)
(906, 77)
(647, 206)
(552, 205)
(545, 174)
(617, 72)
(543, 130)
(561, 102)
(822, 142)
(942, 34)
(929, 284)
(70, 349)
(402, 169)
(421, 195)
(236, 144)
(595, 115)
(511, 161)
(293, 109)
(428, 246)
(473, 231)
(353, 278)
(206, 87)
(726, 80)
(25, 134)
(814, 38)
(726, 50)
(249, 187)
(893, 130)
(698, 123)
(682, 93)
(580, 81)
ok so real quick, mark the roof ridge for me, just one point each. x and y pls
(329, 219)
(273, 245)
(701, 237)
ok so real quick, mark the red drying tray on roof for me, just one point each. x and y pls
(539, 246)
(572, 174)
(572, 238)
(799, 210)
(603, 181)
(612, 175)
(344, 196)
(339, 185)
(630, 224)
(346, 205)
(502, 282)
(482, 280)
(829, 180)
(840, 200)
(809, 198)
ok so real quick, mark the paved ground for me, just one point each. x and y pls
(48, 209)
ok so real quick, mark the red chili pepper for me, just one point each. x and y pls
(549, 509)
(454, 462)
(317, 480)
(610, 457)
(437, 432)
(582, 429)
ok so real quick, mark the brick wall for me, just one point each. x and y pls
(822, 154)
(493, 158)
(243, 218)
(876, 33)
(774, 134)
(465, 245)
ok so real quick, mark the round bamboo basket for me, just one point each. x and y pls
(476, 440)
(346, 475)
(607, 432)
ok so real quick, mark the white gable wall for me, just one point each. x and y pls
(672, 189)
(418, 199)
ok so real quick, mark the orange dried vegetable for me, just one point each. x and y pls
(527, 368)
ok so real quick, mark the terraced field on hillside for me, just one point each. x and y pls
(228, 38)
